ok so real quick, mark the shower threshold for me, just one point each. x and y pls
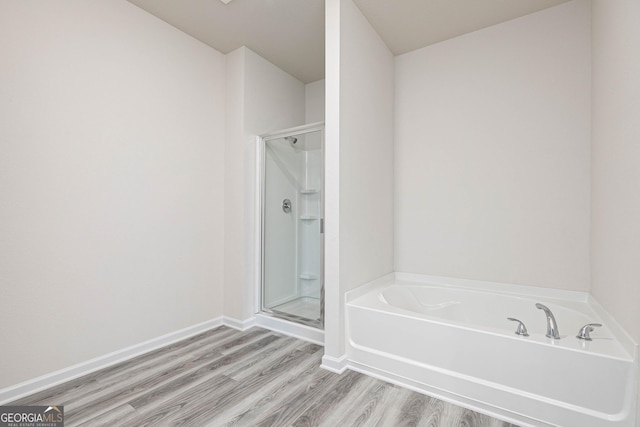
(304, 310)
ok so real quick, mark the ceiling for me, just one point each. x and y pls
(290, 33)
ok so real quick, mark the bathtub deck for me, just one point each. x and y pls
(252, 378)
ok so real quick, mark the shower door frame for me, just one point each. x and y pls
(262, 140)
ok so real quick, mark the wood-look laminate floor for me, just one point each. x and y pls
(224, 377)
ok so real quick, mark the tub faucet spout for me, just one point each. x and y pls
(552, 326)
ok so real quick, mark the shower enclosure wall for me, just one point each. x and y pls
(292, 225)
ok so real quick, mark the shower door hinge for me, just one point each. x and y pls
(321, 225)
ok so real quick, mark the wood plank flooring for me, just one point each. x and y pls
(224, 377)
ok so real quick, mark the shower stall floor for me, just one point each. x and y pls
(305, 307)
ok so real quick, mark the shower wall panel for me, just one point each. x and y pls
(280, 235)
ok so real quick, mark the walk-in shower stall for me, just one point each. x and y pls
(292, 224)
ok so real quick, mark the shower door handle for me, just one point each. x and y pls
(321, 225)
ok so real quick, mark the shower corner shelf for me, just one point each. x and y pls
(309, 191)
(309, 276)
(308, 217)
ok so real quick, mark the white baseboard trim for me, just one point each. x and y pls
(333, 364)
(241, 325)
(43, 382)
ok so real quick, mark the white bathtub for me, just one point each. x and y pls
(451, 339)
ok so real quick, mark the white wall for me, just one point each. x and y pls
(365, 143)
(615, 179)
(615, 228)
(234, 178)
(111, 229)
(492, 156)
(261, 99)
(366, 151)
(333, 308)
(314, 101)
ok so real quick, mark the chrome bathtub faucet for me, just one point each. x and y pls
(521, 329)
(584, 333)
(552, 326)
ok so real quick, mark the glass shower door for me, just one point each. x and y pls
(292, 222)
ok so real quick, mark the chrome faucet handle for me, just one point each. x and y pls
(521, 329)
(584, 332)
